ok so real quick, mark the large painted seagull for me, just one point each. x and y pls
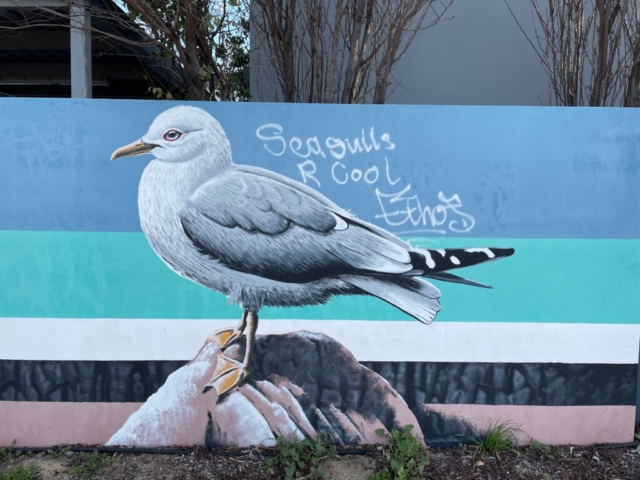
(264, 239)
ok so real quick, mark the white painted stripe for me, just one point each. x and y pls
(138, 339)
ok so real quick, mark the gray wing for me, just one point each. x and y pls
(259, 225)
(302, 188)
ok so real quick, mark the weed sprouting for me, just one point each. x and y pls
(90, 464)
(301, 458)
(404, 457)
(542, 448)
(8, 452)
(58, 452)
(21, 473)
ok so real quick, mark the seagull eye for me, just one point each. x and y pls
(172, 135)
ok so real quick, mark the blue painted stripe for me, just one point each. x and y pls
(517, 172)
(116, 275)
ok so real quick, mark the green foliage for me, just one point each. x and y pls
(160, 94)
(9, 452)
(542, 448)
(301, 458)
(57, 452)
(463, 449)
(204, 48)
(404, 457)
(546, 476)
(21, 473)
(90, 464)
(499, 438)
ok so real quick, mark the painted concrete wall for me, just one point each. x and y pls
(104, 343)
(479, 57)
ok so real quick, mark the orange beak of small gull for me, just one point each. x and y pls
(135, 148)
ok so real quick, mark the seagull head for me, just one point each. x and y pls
(182, 134)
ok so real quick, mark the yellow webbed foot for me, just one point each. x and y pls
(225, 337)
(228, 374)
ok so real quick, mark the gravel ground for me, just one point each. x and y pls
(451, 464)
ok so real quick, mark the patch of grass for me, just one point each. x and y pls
(90, 464)
(58, 451)
(21, 473)
(404, 457)
(499, 438)
(546, 476)
(301, 458)
(8, 452)
(542, 448)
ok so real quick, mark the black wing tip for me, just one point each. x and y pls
(503, 252)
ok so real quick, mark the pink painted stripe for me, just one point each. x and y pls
(577, 425)
(46, 424)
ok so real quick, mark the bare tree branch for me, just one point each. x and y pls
(340, 51)
(590, 50)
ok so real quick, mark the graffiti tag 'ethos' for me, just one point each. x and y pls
(402, 208)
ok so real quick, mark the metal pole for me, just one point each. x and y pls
(81, 79)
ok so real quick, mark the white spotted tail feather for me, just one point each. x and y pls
(436, 263)
(417, 297)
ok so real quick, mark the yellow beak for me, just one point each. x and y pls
(135, 148)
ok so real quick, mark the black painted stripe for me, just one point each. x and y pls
(550, 384)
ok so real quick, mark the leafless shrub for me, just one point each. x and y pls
(590, 50)
(336, 51)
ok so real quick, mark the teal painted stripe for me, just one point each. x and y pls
(116, 275)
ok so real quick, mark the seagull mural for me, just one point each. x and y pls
(263, 239)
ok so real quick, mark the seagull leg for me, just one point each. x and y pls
(229, 373)
(227, 336)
